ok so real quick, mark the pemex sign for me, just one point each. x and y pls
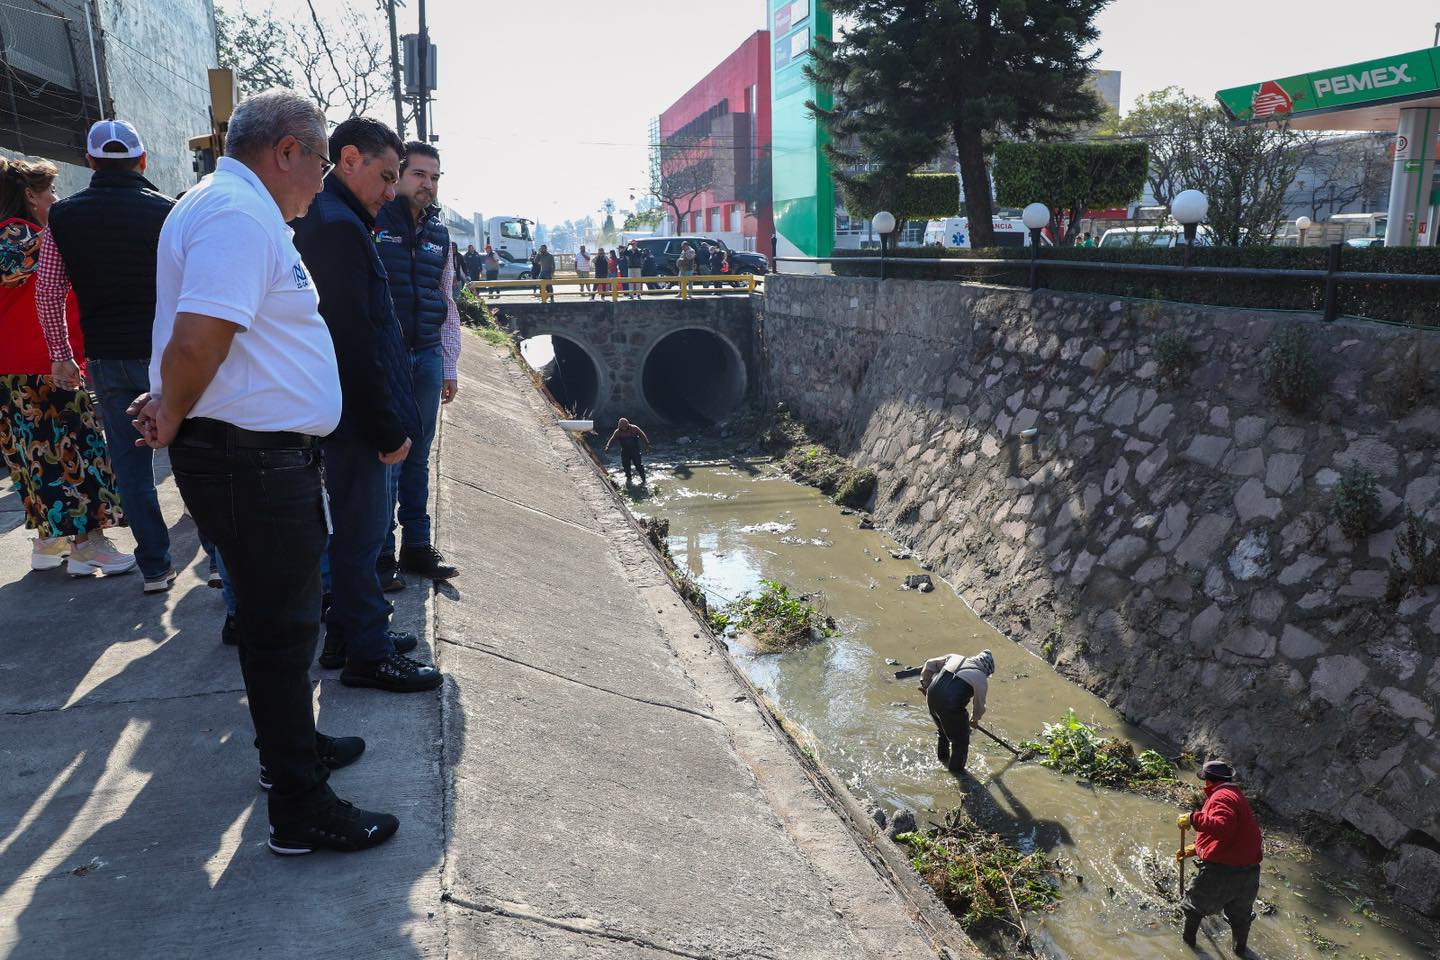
(1402, 77)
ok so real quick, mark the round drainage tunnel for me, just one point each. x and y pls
(693, 377)
(569, 372)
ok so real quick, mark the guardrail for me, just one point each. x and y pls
(1331, 277)
(617, 288)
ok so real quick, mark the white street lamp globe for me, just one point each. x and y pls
(1302, 223)
(884, 222)
(1036, 216)
(1190, 206)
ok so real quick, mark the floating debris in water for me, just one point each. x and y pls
(773, 526)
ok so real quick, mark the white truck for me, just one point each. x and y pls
(512, 237)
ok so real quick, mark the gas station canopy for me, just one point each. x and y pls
(1361, 96)
(1400, 93)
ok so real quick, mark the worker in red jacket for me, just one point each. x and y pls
(1228, 851)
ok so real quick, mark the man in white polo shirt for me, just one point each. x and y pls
(243, 385)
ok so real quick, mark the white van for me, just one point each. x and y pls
(1171, 235)
(955, 232)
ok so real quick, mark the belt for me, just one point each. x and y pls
(204, 432)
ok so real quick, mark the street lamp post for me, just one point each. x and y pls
(1302, 224)
(1189, 207)
(1037, 218)
(884, 223)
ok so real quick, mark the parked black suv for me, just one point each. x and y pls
(667, 252)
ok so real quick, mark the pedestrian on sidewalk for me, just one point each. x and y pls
(101, 243)
(630, 437)
(951, 683)
(474, 263)
(378, 419)
(492, 268)
(602, 272)
(49, 435)
(647, 267)
(244, 385)
(582, 267)
(545, 266)
(685, 263)
(410, 235)
(635, 265)
(1228, 849)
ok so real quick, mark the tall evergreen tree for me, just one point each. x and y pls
(910, 75)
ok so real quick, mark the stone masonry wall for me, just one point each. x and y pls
(1170, 548)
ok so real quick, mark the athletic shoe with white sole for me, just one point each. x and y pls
(98, 554)
(47, 553)
(343, 827)
(161, 583)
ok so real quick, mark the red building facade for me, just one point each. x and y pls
(723, 124)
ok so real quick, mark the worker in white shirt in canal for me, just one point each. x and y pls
(952, 684)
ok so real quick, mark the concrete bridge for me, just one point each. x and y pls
(672, 361)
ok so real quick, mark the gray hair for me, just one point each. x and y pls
(262, 121)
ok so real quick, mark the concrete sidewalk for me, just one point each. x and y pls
(593, 782)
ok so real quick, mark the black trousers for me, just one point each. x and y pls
(263, 509)
(1218, 888)
(630, 460)
(948, 699)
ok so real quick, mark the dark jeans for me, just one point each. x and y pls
(1218, 888)
(409, 480)
(262, 509)
(630, 460)
(359, 495)
(948, 698)
(116, 383)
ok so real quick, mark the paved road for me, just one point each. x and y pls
(592, 781)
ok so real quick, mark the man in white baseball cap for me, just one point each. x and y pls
(101, 244)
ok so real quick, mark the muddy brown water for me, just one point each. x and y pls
(732, 525)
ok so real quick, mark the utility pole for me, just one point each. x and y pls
(422, 105)
(395, 71)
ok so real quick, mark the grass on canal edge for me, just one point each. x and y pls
(986, 882)
(804, 459)
(480, 317)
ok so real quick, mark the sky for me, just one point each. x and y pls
(543, 108)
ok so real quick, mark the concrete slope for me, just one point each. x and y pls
(131, 824)
(613, 791)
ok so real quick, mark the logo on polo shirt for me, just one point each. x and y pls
(302, 279)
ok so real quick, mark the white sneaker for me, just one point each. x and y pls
(100, 554)
(47, 553)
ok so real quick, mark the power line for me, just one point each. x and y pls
(37, 13)
(106, 34)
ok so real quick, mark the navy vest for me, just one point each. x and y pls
(414, 258)
(108, 235)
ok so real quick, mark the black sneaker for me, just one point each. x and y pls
(427, 562)
(332, 654)
(335, 752)
(230, 633)
(403, 642)
(397, 673)
(344, 827)
(389, 572)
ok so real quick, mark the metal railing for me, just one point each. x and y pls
(618, 288)
(1331, 277)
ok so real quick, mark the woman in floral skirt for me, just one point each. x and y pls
(50, 438)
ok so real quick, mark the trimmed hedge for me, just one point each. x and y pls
(1395, 303)
(924, 196)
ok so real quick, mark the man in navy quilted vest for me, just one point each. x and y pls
(414, 245)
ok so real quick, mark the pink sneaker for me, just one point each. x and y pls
(100, 554)
(47, 553)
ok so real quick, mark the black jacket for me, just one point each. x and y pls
(107, 235)
(474, 264)
(334, 239)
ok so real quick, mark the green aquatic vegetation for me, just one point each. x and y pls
(984, 880)
(779, 620)
(1071, 746)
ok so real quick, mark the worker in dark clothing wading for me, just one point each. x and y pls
(630, 437)
(951, 683)
(1228, 851)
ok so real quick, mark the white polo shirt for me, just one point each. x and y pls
(226, 252)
